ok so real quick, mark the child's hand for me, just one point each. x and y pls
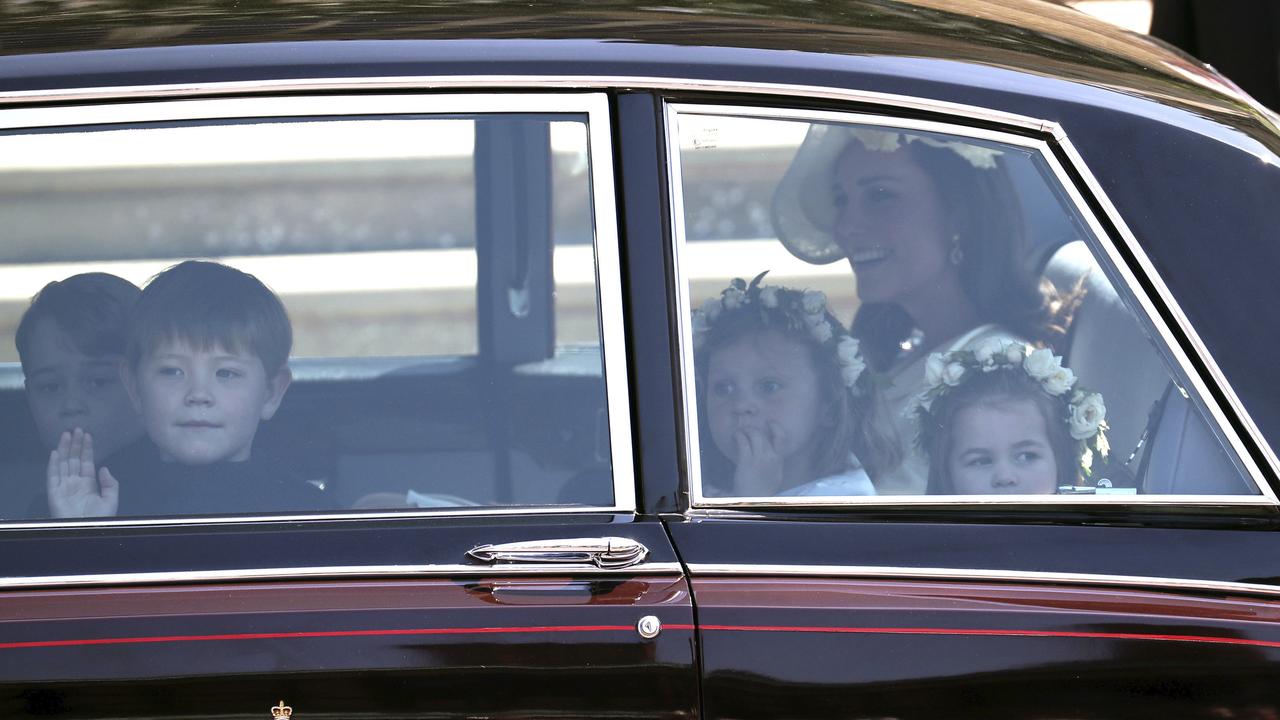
(758, 464)
(74, 489)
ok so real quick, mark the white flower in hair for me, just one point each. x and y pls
(1041, 363)
(769, 297)
(711, 309)
(1087, 415)
(733, 298)
(701, 324)
(1059, 381)
(1014, 353)
(877, 140)
(815, 301)
(801, 309)
(987, 350)
(953, 373)
(982, 158)
(933, 369)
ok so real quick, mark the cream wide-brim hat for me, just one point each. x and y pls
(804, 203)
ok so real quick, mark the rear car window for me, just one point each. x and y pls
(884, 311)
(436, 267)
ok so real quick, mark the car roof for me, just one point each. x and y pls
(1027, 35)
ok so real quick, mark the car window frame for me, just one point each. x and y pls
(1110, 244)
(150, 105)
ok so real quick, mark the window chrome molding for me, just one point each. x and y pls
(1044, 150)
(543, 82)
(872, 572)
(341, 572)
(608, 277)
(366, 516)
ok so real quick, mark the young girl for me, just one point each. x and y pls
(784, 397)
(1004, 418)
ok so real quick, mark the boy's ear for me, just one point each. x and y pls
(276, 387)
(130, 382)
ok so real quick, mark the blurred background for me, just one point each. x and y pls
(1239, 38)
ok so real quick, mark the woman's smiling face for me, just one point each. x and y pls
(892, 227)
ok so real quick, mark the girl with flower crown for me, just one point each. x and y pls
(785, 397)
(932, 228)
(1006, 419)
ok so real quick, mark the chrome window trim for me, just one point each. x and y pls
(608, 267)
(371, 516)
(342, 572)
(708, 570)
(544, 82)
(684, 306)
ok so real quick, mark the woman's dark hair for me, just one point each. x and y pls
(996, 389)
(856, 424)
(982, 209)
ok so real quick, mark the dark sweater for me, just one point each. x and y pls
(150, 487)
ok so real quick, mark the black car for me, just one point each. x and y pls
(869, 359)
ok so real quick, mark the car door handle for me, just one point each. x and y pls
(606, 552)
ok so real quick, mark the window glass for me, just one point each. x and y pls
(437, 275)
(892, 311)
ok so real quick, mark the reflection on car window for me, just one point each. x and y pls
(888, 311)
(392, 319)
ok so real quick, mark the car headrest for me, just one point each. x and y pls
(1107, 348)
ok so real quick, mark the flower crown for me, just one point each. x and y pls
(792, 309)
(982, 158)
(1085, 413)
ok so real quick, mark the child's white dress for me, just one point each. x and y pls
(853, 481)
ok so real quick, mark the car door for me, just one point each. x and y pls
(459, 402)
(1143, 588)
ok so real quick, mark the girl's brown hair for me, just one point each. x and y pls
(995, 389)
(856, 422)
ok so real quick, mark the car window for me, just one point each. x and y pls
(895, 311)
(435, 266)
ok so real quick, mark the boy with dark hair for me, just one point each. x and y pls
(72, 341)
(207, 361)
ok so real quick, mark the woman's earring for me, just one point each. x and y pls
(957, 255)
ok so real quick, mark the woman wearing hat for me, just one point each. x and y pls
(932, 229)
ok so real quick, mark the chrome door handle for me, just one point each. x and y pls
(606, 552)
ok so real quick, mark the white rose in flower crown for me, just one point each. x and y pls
(1059, 381)
(1087, 416)
(1041, 363)
(733, 298)
(814, 301)
(711, 309)
(769, 297)
(953, 373)
(1014, 353)
(933, 369)
(700, 324)
(822, 331)
(987, 350)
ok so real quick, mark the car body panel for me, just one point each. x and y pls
(912, 611)
(412, 613)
